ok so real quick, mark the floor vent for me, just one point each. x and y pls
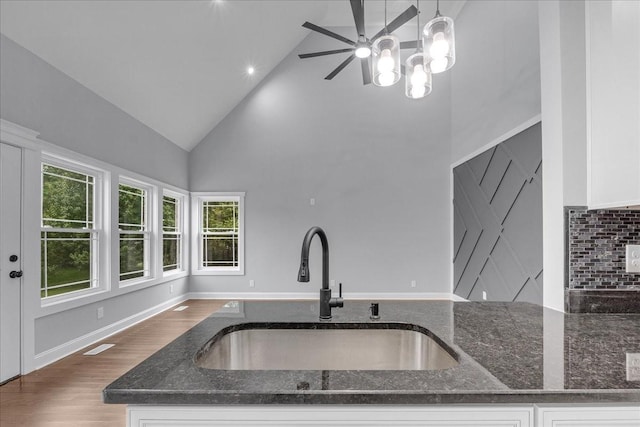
(99, 349)
(181, 308)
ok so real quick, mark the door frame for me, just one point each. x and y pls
(26, 139)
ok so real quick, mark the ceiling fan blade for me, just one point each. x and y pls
(366, 71)
(412, 44)
(321, 30)
(402, 19)
(324, 52)
(357, 7)
(340, 67)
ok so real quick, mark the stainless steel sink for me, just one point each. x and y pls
(326, 346)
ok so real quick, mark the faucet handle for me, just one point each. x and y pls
(339, 290)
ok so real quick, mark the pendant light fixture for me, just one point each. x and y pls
(386, 57)
(439, 42)
(418, 74)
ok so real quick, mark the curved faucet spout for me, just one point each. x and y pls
(326, 302)
(303, 273)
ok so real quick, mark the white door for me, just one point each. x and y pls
(10, 261)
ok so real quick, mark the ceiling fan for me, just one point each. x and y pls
(361, 48)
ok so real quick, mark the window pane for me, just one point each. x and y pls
(67, 198)
(171, 252)
(220, 217)
(170, 208)
(220, 251)
(131, 208)
(132, 256)
(65, 262)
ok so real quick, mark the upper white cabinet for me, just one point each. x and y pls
(613, 103)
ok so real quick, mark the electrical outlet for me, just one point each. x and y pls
(252, 283)
(484, 295)
(633, 366)
(413, 283)
(312, 202)
(332, 283)
(633, 258)
(100, 312)
(170, 289)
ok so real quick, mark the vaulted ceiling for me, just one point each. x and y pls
(180, 67)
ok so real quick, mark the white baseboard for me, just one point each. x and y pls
(63, 350)
(314, 295)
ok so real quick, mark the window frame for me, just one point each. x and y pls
(107, 192)
(197, 200)
(181, 225)
(150, 232)
(99, 277)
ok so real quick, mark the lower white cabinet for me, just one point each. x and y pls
(587, 416)
(387, 416)
(334, 416)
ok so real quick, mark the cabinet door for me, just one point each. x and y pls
(591, 416)
(613, 102)
(330, 416)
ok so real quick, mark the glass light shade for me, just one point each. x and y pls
(386, 60)
(417, 76)
(438, 40)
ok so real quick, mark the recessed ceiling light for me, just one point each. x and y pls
(251, 70)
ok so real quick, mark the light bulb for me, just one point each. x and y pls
(386, 62)
(386, 78)
(418, 91)
(363, 51)
(439, 46)
(419, 77)
(438, 65)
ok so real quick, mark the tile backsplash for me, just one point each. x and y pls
(596, 247)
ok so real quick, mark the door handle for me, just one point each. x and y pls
(15, 274)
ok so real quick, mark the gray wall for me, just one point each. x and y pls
(36, 95)
(498, 221)
(495, 83)
(376, 163)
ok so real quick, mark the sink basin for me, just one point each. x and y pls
(325, 346)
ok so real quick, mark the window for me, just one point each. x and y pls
(135, 235)
(69, 229)
(220, 228)
(172, 224)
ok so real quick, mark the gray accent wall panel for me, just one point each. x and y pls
(498, 221)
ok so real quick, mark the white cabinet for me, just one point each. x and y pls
(613, 103)
(334, 416)
(385, 416)
(591, 416)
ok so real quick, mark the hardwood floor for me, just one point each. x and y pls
(69, 392)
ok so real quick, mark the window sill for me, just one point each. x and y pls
(71, 297)
(136, 281)
(173, 273)
(212, 272)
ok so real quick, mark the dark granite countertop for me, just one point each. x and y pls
(508, 353)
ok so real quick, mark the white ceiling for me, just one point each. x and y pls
(179, 67)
